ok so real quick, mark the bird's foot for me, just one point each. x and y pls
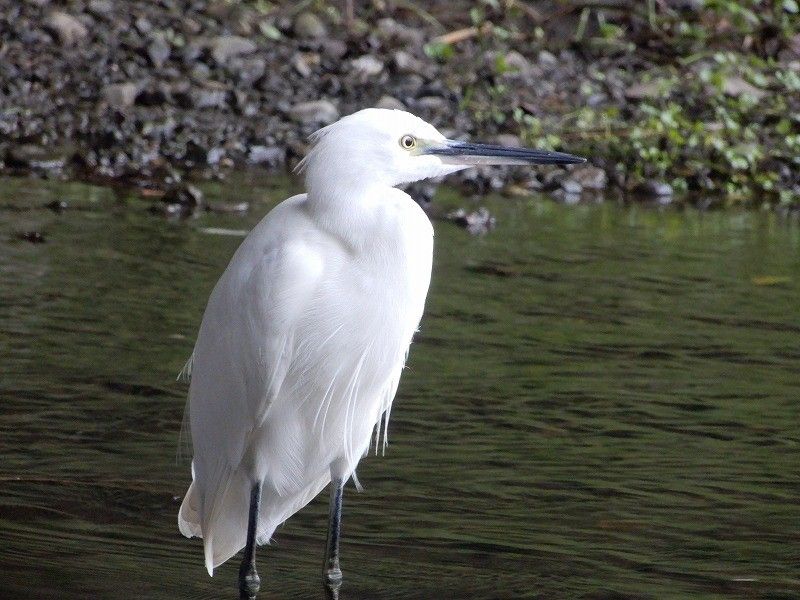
(332, 577)
(249, 584)
(333, 574)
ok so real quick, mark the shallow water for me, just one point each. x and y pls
(603, 402)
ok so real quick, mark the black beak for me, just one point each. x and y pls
(467, 153)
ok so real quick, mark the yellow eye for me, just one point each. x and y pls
(407, 142)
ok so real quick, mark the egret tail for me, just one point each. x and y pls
(223, 526)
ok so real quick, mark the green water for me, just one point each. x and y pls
(603, 403)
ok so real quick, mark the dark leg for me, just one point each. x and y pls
(249, 582)
(332, 574)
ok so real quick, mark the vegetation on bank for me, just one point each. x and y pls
(704, 95)
(699, 98)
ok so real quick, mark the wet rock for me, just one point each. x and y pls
(566, 198)
(589, 177)
(181, 199)
(66, 28)
(266, 155)
(366, 66)
(390, 102)
(333, 48)
(570, 186)
(33, 157)
(301, 64)
(422, 192)
(33, 237)
(158, 50)
(307, 26)
(477, 222)
(215, 156)
(200, 72)
(507, 139)
(736, 86)
(209, 98)
(645, 90)
(100, 8)
(248, 70)
(552, 177)
(432, 103)
(57, 206)
(392, 30)
(482, 179)
(120, 95)
(654, 189)
(518, 63)
(225, 47)
(228, 208)
(143, 25)
(195, 153)
(315, 112)
(547, 59)
(407, 63)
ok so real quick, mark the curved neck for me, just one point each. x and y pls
(346, 208)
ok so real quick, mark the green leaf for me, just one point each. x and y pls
(439, 51)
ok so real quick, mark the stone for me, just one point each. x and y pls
(209, 98)
(34, 237)
(215, 155)
(100, 8)
(736, 86)
(158, 50)
(185, 195)
(271, 156)
(225, 47)
(57, 206)
(301, 65)
(507, 139)
(31, 156)
(547, 59)
(477, 222)
(515, 61)
(228, 208)
(390, 102)
(200, 71)
(409, 36)
(571, 187)
(654, 189)
(307, 25)
(318, 112)
(366, 66)
(406, 63)
(143, 25)
(432, 103)
(333, 48)
(249, 70)
(120, 95)
(645, 90)
(589, 177)
(66, 28)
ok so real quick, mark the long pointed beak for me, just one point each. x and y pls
(466, 153)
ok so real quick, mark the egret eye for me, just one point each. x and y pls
(407, 142)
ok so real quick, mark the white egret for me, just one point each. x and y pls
(305, 334)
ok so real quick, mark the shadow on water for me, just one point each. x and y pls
(602, 403)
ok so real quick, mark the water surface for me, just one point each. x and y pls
(603, 403)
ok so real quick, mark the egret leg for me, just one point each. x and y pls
(332, 574)
(249, 581)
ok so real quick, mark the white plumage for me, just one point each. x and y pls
(302, 344)
(305, 335)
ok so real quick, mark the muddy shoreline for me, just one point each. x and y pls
(150, 94)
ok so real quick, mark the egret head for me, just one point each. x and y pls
(392, 147)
